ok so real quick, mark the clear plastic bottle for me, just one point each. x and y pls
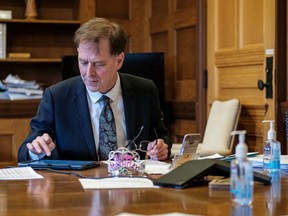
(271, 151)
(241, 174)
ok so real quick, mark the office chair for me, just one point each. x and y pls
(223, 119)
(69, 66)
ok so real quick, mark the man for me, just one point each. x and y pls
(67, 122)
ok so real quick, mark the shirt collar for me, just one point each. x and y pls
(112, 94)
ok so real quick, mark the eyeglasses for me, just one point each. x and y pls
(143, 146)
(132, 146)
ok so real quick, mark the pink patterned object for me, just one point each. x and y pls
(124, 162)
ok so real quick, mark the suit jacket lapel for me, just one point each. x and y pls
(129, 101)
(83, 116)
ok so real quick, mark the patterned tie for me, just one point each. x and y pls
(107, 130)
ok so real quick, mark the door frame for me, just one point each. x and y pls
(281, 73)
(201, 66)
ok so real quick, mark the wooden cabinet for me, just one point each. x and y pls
(12, 133)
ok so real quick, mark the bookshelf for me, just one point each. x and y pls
(46, 39)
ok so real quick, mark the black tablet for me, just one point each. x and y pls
(61, 164)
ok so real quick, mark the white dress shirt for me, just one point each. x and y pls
(95, 107)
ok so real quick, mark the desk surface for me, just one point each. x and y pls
(61, 194)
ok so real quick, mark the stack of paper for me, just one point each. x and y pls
(19, 89)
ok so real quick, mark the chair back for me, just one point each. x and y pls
(223, 119)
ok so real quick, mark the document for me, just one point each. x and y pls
(117, 183)
(157, 167)
(19, 173)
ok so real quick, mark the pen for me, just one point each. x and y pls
(156, 136)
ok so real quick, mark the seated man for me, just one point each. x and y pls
(70, 123)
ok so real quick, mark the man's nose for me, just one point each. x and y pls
(91, 69)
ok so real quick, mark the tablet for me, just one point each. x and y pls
(61, 164)
(190, 143)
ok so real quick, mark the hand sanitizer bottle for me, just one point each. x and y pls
(241, 174)
(271, 151)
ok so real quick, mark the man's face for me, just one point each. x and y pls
(98, 68)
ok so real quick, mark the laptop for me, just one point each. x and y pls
(60, 164)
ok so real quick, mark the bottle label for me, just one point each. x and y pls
(271, 157)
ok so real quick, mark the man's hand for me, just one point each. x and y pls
(42, 144)
(158, 150)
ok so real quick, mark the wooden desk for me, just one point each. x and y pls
(60, 194)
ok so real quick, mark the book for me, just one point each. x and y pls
(3, 40)
(19, 55)
(5, 14)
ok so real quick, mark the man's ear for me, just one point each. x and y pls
(120, 60)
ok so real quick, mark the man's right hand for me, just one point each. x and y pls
(42, 144)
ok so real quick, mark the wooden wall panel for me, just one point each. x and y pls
(177, 21)
(186, 67)
(251, 32)
(226, 25)
(184, 4)
(113, 9)
(12, 133)
(184, 91)
(159, 44)
(240, 79)
(159, 7)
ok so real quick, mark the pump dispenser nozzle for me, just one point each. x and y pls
(241, 148)
(271, 135)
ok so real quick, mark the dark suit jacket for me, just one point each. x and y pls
(63, 113)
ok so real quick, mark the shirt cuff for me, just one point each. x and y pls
(36, 156)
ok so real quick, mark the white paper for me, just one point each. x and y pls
(15, 96)
(156, 167)
(214, 156)
(18, 173)
(113, 183)
(258, 161)
(165, 214)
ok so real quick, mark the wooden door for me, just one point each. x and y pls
(240, 40)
